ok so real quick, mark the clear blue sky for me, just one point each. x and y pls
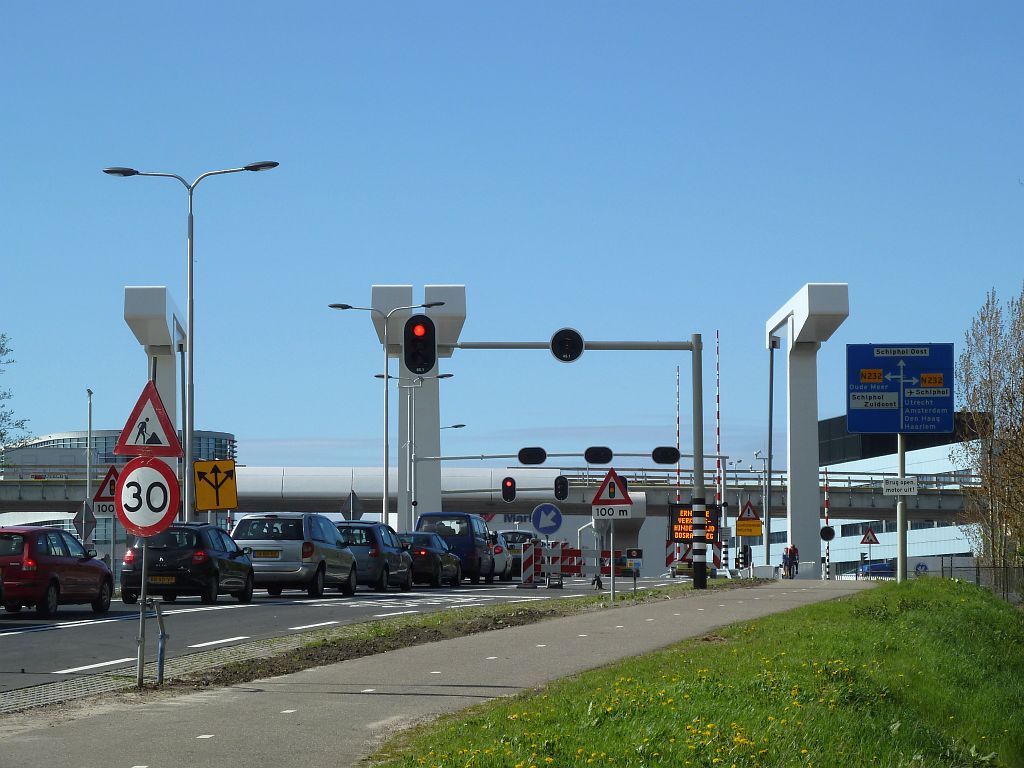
(639, 171)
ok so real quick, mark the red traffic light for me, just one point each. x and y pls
(508, 489)
(419, 330)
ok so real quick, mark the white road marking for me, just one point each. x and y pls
(207, 608)
(700, 609)
(436, 672)
(620, 626)
(205, 736)
(218, 642)
(677, 614)
(91, 666)
(311, 626)
(580, 635)
(368, 690)
(288, 711)
(648, 619)
(396, 613)
(542, 645)
(491, 658)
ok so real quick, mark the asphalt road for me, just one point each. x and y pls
(79, 642)
(336, 715)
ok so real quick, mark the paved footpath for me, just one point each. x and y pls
(336, 715)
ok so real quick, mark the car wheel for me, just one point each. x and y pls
(102, 602)
(170, 597)
(12, 607)
(274, 591)
(381, 584)
(349, 587)
(48, 605)
(474, 578)
(128, 597)
(245, 596)
(435, 577)
(406, 584)
(210, 590)
(316, 586)
(457, 578)
(489, 578)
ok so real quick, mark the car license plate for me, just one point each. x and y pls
(161, 579)
(267, 554)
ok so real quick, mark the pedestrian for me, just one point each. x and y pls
(785, 563)
(794, 559)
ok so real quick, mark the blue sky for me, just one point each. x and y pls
(638, 171)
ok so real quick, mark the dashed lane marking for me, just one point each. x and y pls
(288, 711)
(396, 613)
(92, 666)
(581, 635)
(205, 736)
(491, 658)
(218, 642)
(312, 626)
(368, 690)
(542, 645)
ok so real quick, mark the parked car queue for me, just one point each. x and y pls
(44, 567)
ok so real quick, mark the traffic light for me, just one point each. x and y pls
(598, 454)
(561, 488)
(863, 557)
(532, 456)
(665, 454)
(419, 344)
(508, 489)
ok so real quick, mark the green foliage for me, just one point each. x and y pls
(925, 673)
(11, 429)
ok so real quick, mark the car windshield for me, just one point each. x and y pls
(11, 544)
(286, 529)
(174, 538)
(446, 526)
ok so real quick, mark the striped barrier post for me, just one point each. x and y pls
(527, 571)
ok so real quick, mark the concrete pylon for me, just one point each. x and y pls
(810, 318)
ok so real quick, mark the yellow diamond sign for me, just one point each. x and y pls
(215, 485)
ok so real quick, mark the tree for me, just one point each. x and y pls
(11, 429)
(990, 387)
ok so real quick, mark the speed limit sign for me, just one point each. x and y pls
(147, 496)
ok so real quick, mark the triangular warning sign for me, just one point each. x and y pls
(148, 431)
(748, 512)
(612, 491)
(869, 537)
(106, 490)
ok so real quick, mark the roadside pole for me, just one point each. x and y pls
(700, 573)
(901, 513)
(611, 556)
(141, 653)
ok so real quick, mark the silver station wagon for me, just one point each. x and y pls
(296, 550)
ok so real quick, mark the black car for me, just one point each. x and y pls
(381, 560)
(432, 561)
(189, 559)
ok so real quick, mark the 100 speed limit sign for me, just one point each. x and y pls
(147, 496)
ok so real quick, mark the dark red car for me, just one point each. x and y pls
(47, 567)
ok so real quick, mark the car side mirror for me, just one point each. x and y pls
(406, 545)
(247, 551)
(90, 553)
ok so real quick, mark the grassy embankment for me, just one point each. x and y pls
(926, 673)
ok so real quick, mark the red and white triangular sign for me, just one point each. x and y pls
(748, 512)
(106, 490)
(148, 431)
(869, 537)
(612, 492)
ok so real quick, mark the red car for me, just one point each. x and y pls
(47, 567)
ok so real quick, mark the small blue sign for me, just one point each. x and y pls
(547, 518)
(892, 388)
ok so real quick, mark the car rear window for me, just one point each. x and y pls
(357, 534)
(172, 539)
(418, 539)
(517, 537)
(269, 528)
(446, 526)
(11, 544)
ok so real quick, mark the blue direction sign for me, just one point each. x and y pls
(547, 518)
(899, 388)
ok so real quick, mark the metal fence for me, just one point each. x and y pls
(1006, 581)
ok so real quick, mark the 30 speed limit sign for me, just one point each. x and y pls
(147, 496)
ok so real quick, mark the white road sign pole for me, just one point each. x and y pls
(611, 556)
(901, 512)
(141, 640)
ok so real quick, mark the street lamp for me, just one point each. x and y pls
(454, 426)
(386, 376)
(188, 407)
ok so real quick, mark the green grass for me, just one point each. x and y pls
(925, 673)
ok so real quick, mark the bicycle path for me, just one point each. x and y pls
(338, 714)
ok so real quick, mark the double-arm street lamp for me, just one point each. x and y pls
(385, 376)
(188, 407)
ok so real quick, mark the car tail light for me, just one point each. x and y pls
(373, 552)
(129, 556)
(27, 563)
(498, 550)
(199, 557)
(421, 553)
(307, 549)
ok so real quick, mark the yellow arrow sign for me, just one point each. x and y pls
(215, 485)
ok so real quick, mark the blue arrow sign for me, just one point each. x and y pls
(547, 518)
(904, 388)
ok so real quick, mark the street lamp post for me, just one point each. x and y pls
(764, 484)
(88, 466)
(188, 407)
(387, 318)
(410, 446)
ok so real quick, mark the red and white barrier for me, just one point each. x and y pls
(528, 573)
